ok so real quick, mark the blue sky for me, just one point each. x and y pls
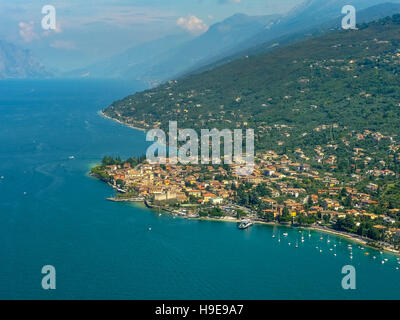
(89, 30)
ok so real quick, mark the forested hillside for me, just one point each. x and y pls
(346, 78)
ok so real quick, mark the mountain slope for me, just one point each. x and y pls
(162, 59)
(133, 62)
(261, 45)
(349, 79)
(18, 63)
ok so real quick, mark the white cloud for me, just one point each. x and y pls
(27, 31)
(192, 24)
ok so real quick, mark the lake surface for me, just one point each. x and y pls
(53, 213)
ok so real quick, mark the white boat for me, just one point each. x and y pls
(245, 224)
(285, 234)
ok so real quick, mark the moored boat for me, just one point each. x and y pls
(245, 224)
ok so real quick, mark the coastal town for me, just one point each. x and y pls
(291, 189)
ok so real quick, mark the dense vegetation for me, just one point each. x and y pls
(346, 77)
(333, 96)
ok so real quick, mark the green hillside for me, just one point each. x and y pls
(349, 79)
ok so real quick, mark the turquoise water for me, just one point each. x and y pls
(104, 250)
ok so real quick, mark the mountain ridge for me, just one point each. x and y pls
(19, 63)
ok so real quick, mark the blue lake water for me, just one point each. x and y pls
(53, 213)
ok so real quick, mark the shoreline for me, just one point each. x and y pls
(353, 238)
(350, 237)
(102, 114)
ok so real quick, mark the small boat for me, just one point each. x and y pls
(245, 224)
(71, 157)
(273, 236)
(149, 229)
(309, 233)
(297, 244)
(285, 234)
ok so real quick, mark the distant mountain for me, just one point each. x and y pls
(163, 59)
(363, 16)
(133, 62)
(19, 63)
(221, 38)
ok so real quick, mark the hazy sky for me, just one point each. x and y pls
(88, 30)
